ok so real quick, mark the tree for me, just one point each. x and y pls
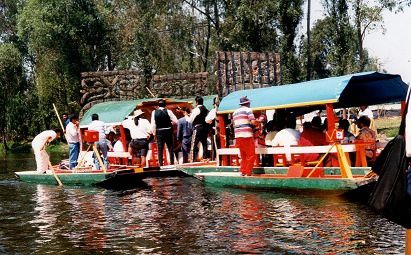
(11, 83)
(289, 15)
(64, 38)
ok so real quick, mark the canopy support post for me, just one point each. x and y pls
(123, 138)
(223, 138)
(330, 121)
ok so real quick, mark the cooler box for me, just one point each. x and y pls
(91, 136)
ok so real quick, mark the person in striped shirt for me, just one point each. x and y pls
(244, 120)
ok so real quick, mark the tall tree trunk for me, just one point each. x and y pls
(217, 23)
(308, 40)
(359, 35)
(207, 46)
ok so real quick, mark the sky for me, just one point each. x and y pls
(392, 48)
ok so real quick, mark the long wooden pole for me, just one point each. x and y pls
(55, 175)
(58, 117)
(408, 241)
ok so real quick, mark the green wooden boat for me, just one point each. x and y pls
(277, 178)
(114, 179)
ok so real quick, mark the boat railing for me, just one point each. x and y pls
(289, 151)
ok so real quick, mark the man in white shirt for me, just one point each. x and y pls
(162, 121)
(365, 111)
(72, 137)
(140, 132)
(99, 126)
(211, 119)
(39, 147)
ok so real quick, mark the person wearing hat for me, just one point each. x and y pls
(162, 121)
(244, 120)
(140, 131)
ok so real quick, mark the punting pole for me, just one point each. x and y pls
(55, 175)
(58, 117)
(408, 241)
(151, 93)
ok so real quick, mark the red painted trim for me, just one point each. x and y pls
(123, 138)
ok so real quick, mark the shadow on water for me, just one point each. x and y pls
(182, 216)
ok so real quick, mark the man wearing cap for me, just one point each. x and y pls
(243, 132)
(140, 131)
(200, 127)
(162, 121)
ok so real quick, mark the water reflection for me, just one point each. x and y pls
(182, 216)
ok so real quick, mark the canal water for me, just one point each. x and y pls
(182, 216)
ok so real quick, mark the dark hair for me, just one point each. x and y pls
(316, 122)
(58, 131)
(136, 120)
(307, 125)
(199, 100)
(186, 109)
(94, 116)
(162, 103)
(73, 116)
(344, 124)
(364, 120)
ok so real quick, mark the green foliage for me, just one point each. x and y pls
(45, 45)
(11, 85)
(64, 38)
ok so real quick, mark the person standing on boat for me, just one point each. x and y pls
(100, 126)
(184, 133)
(200, 128)
(162, 121)
(72, 136)
(211, 119)
(140, 132)
(39, 144)
(66, 120)
(244, 137)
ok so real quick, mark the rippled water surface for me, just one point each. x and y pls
(182, 216)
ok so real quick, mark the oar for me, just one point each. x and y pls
(55, 175)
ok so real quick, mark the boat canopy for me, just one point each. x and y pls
(114, 112)
(367, 88)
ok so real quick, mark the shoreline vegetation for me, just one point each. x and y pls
(387, 128)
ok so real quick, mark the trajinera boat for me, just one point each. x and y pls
(367, 88)
(123, 170)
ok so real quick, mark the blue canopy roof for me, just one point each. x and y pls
(368, 88)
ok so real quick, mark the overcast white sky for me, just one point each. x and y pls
(393, 49)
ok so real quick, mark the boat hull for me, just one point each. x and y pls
(276, 178)
(279, 182)
(119, 179)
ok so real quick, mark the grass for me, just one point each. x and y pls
(25, 147)
(388, 126)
